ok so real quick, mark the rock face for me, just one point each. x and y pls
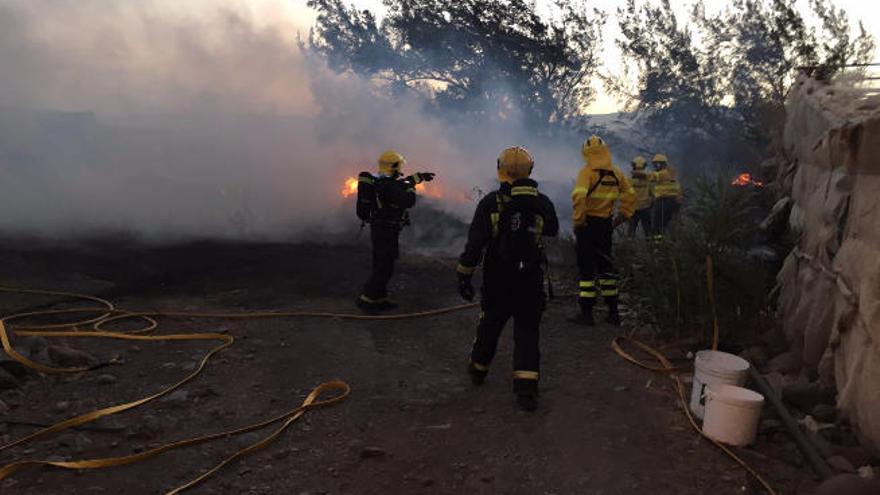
(830, 283)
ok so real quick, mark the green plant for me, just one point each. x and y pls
(667, 281)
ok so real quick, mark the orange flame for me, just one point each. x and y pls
(746, 179)
(351, 187)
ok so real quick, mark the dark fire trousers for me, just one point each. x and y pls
(523, 300)
(662, 212)
(594, 257)
(642, 217)
(385, 237)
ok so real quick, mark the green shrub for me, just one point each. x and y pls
(667, 282)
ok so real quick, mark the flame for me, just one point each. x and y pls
(746, 179)
(351, 187)
(432, 190)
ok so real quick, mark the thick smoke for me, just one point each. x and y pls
(171, 123)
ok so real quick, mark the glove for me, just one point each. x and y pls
(619, 219)
(465, 287)
(420, 177)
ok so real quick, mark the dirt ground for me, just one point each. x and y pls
(413, 423)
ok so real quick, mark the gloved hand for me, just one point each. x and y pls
(419, 177)
(619, 219)
(465, 287)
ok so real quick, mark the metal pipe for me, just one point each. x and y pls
(803, 443)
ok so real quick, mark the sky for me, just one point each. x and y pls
(867, 11)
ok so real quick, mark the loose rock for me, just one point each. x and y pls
(368, 452)
(178, 398)
(840, 464)
(850, 484)
(785, 363)
(72, 358)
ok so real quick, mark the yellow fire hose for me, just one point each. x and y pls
(108, 313)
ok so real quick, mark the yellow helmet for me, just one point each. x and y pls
(390, 162)
(596, 152)
(660, 158)
(639, 163)
(514, 163)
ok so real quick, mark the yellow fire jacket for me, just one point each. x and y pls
(608, 184)
(665, 185)
(644, 190)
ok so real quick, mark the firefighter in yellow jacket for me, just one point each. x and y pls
(644, 192)
(599, 188)
(667, 195)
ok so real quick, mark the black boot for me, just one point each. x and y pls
(526, 394)
(477, 375)
(613, 314)
(527, 402)
(584, 317)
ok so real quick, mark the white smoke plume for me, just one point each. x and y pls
(169, 122)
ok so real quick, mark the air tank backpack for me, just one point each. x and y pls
(519, 227)
(366, 197)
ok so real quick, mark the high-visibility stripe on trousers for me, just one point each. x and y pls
(587, 289)
(608, 287)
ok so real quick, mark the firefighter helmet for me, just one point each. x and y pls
(639, 163)
(390, 162)
(596, 153)
(514, 163)
(660, 161)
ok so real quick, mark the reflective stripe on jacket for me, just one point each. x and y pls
(614, 187)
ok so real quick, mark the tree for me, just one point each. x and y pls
(729, 76)
(471, 57)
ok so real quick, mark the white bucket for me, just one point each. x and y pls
(732, 414)
(715, 368)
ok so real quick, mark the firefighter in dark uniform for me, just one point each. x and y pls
(600, 186)
(393, 197)
(508, 223)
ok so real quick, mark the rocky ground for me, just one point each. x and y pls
(413, 424)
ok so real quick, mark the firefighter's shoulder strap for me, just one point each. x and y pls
(495, 216)
(602, 174)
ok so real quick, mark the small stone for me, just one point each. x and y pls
(72, 358)
(849, 484)
(106, 380)
(840, 464)
(867, 472)
(368, 452)
(62, 405)
(807, 396)
(3, 407)
(621, 388)
(178, 398)
(785, 363)
(824, 413)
